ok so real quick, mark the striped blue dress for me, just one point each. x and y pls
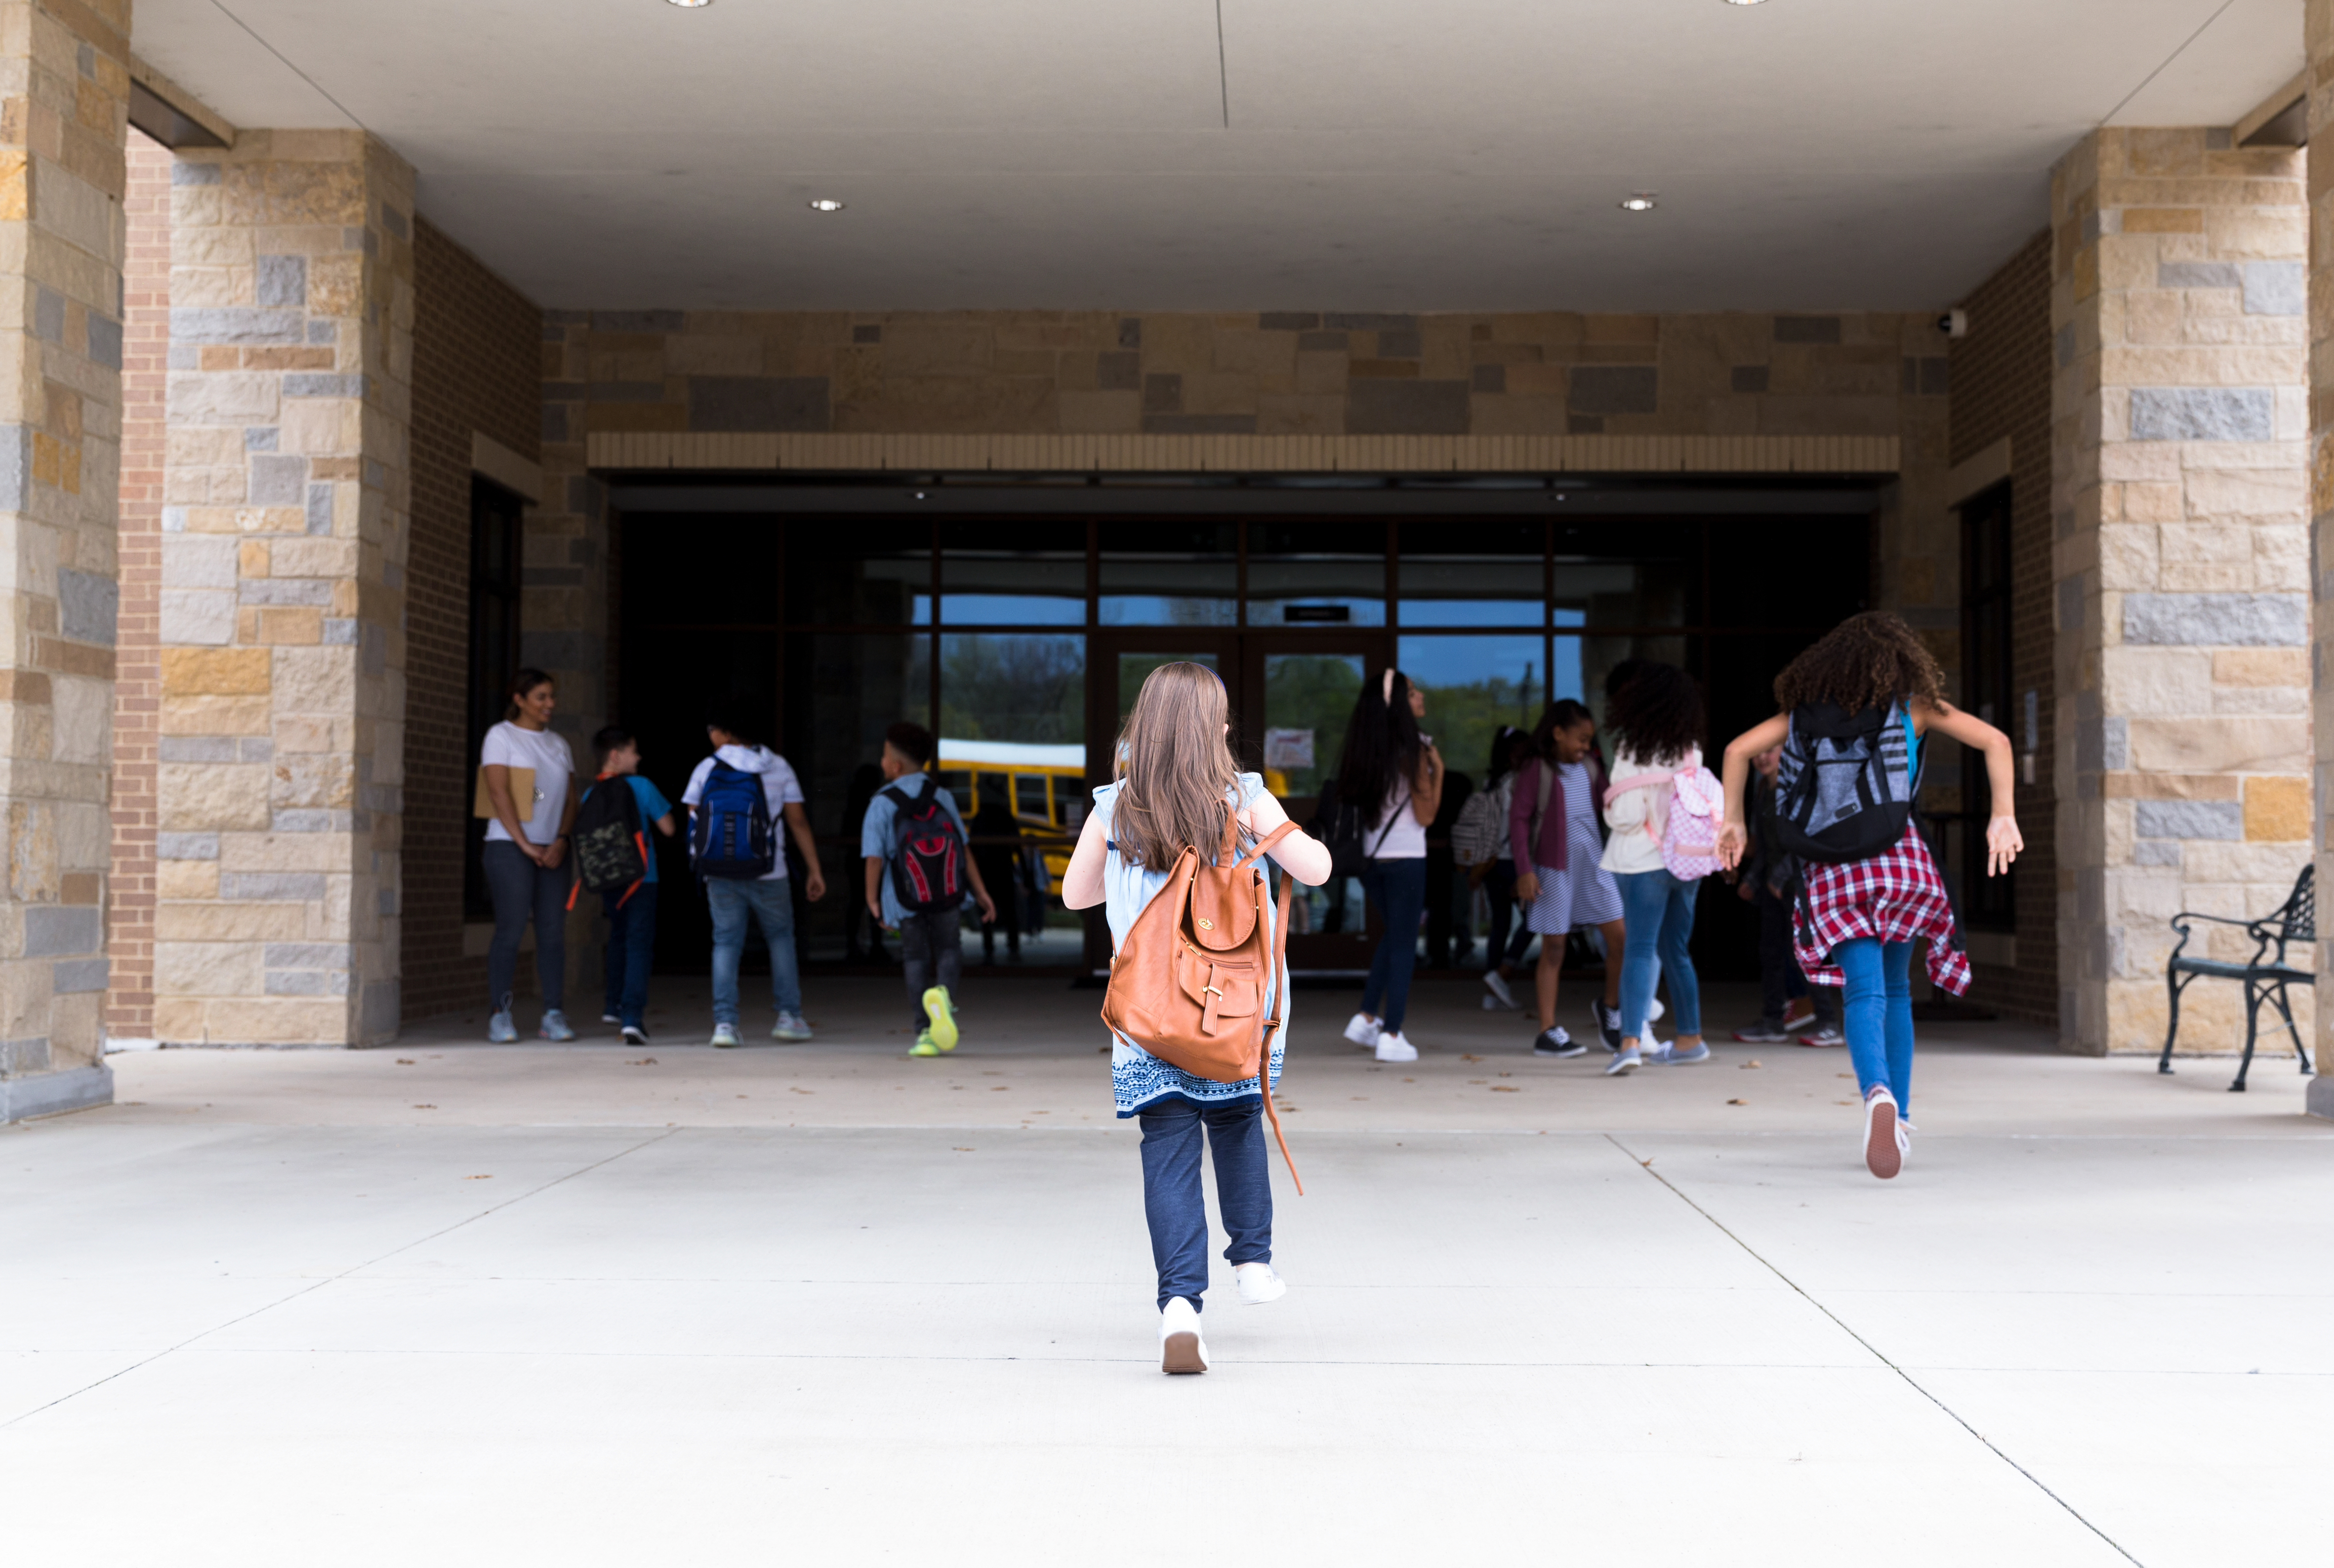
(1139, 1079)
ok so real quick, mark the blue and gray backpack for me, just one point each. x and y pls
(729, 836)
(1844, 788)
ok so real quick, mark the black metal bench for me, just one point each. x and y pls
(2265, 974)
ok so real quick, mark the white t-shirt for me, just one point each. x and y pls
(553, 762)
(779, 787)
(1638, 817)
(1403, 838)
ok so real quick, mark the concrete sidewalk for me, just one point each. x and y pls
(472, 1305)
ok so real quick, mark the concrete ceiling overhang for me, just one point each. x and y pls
(1232, 154)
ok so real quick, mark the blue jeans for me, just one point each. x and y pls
(1178, 1210)
(1659, 910)
(631, 949)
(1398, 888)
(772, 903)
(1879, 1013)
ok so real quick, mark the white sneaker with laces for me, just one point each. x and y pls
(1257, 1284)
(725, 1035)
(1394, 1048)
(635, 1036)
(611, 1018)
(1364, 1030)
(1180, 1348)
(1653, 1013)
(790, 1027)
(1497, 984)
(1883, 1148)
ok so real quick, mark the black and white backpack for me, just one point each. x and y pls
(1844, 788)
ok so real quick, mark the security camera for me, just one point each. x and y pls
(1954, 324)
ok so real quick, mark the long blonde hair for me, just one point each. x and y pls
(1175, 768)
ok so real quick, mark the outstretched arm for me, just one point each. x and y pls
(1732, 834)
(2003, 839)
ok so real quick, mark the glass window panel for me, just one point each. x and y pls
(1474, 685)
(1627, 572)
(1317, 575)
(1134, 668)
(859, 571)
(1174, 574)
(1599, 654)
(1307, 699)
(1472, 573)
(1013, 574)
(1820, 580)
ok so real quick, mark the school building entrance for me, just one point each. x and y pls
(1017, 623)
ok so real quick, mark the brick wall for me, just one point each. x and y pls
(2001, 388)
(138, 673)
(477, 352)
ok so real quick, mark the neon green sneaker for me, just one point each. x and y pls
(943, 1032)
(924, 1045)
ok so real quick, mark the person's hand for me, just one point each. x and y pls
(1476, 872)
(1527, 888)
(532, 851)
(814, 885)
(553, 854)
(987, 906)
(2003, 843)
(1732, 841)
(875, 909)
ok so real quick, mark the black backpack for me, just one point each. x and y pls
(1844, 788)
(611, 850)
(927, 859)
(1345, 830)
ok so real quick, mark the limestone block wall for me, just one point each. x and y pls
(2181, 567)
(2319, 34)
(285, 532)
(64, 110)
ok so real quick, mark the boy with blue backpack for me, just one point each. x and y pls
(736, 798)
(918, 872)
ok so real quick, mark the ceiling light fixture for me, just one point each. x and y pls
(1639, 201)
(823, 203)
(700, 4)
(1729, 1)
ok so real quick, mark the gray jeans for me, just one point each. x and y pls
(521, 889)
(931, 951)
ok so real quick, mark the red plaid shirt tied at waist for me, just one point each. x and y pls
(1895, 896)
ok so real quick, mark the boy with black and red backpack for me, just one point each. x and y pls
(918, 871)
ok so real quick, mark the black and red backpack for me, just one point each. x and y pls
(927, 850)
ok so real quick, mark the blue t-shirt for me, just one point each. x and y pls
(875, 833)
(652, 805)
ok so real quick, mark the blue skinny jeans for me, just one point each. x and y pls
(1659, 910)
(1398, 888)
(1878, 1009)
(1177, 1208)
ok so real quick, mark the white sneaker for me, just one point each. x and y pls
(790, 1027)
(1653, 1013)
(1257, 1284)
(1180, 1348)
(1394, 1048)
(1884, 1152)
(1497, 984)
(1491, 1004)
(725, 1035)
(1364, 1030)
(616, 1018)
(1628, 1061)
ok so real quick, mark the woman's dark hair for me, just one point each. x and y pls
(1658, 715)
(1868, 660)
(521, 684)
(1561, 713)
(1382, 743)
(1504, 746)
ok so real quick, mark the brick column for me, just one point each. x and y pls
(283, 551)
(2181, 563)
(61, 125)
(2320, 26)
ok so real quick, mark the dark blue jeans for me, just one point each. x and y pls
(1879, 1007)
(1398, 888)
(631, 949)
(1178, 1210)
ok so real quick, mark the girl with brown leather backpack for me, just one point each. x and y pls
(1199, 997)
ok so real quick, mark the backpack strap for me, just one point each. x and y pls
(1272, 1024)
(1620, 788)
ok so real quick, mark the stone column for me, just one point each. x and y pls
(2320, 36)
(62, 127)
(2181, 565)
(284, 550)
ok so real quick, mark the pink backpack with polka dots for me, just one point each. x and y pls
(1688, 831)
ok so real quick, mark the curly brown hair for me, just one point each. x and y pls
(1868, 660)
(1658, 716)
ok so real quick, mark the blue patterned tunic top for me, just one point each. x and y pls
(1139, 1079)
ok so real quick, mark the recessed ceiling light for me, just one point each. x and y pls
(1729, 1)
(823, 203)
(699, 5)
(1639, 201)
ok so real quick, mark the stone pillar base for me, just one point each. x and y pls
(2321, 1097)
(47, 1094)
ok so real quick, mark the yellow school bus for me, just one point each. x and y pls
(1041, 783)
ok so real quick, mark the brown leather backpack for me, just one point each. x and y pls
(1195, 982)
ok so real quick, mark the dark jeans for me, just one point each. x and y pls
(631, 950)
(1176, 1208)
(931, 951)
(1398, 888)
(1500, 887)
(1779, 968)
(521, 889)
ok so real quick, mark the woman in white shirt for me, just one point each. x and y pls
(1658, 720)
(1394, 775)
(526, 851)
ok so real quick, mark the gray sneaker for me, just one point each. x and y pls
(1671, 1056)
(790, 1027)
(555, 1027)
(725, 1035)
(500, 1029)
